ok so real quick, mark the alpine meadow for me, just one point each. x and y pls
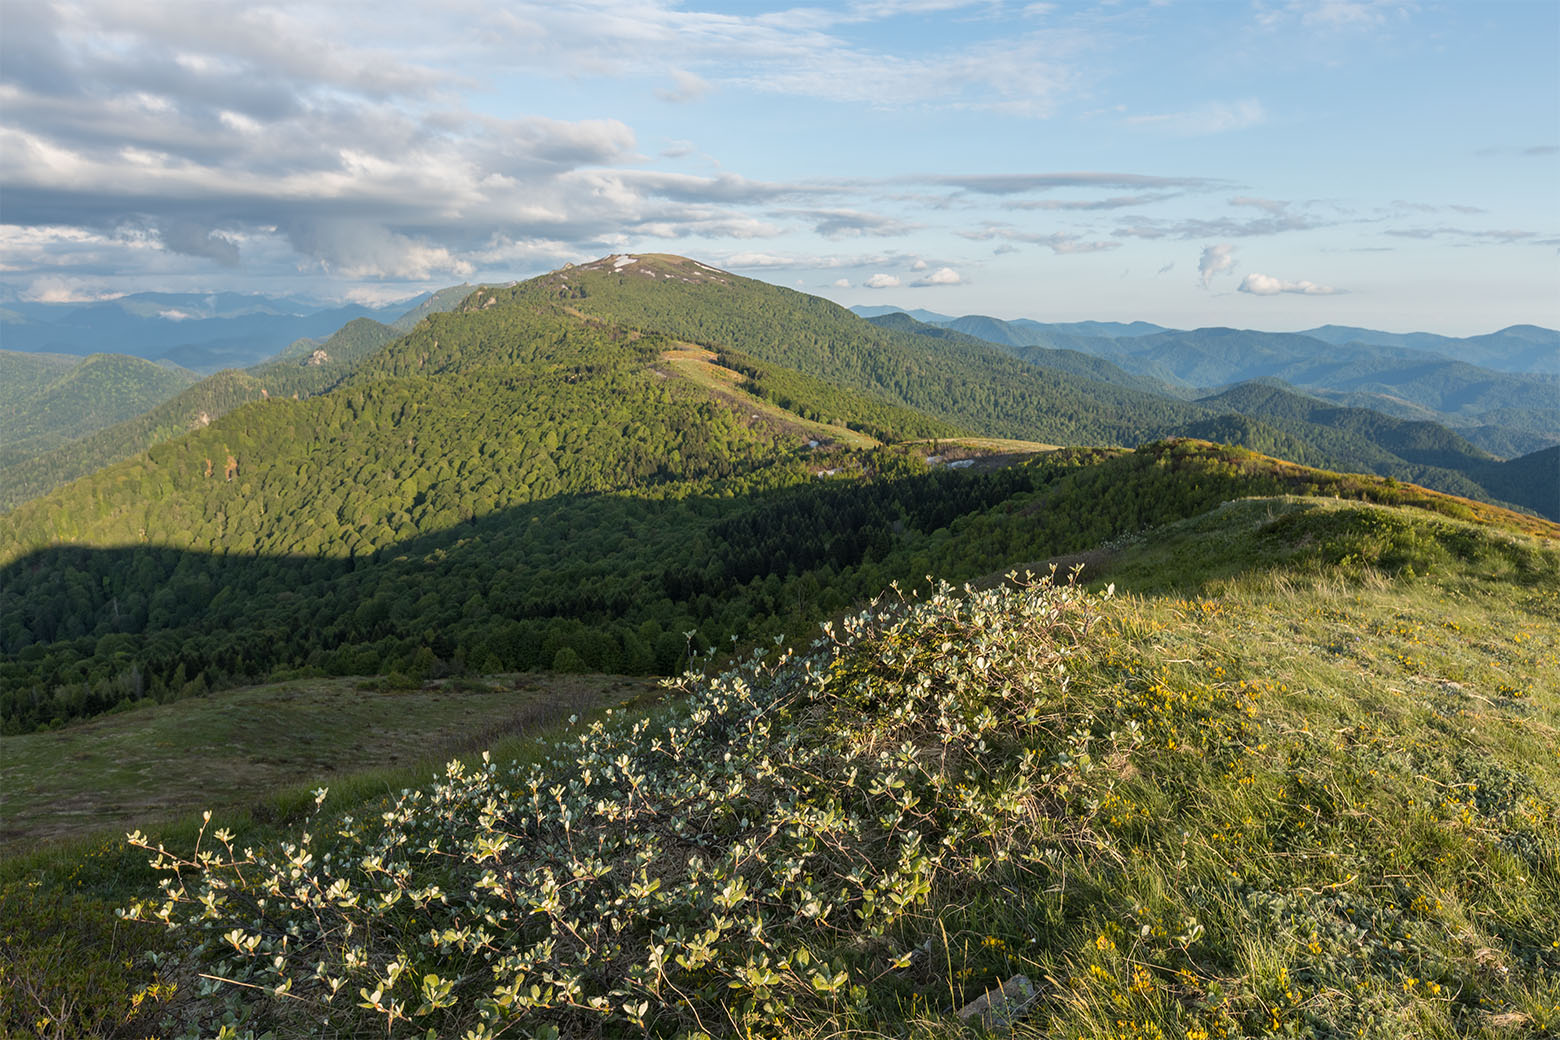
(909, 519)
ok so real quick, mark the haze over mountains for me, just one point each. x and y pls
(1500, 390)
(202, 332)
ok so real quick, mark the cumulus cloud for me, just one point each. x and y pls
(882, 281)
(941, 276)
(842, 283)
(64, 289)
(1266, 285)
(192, 239)
(1215, 259)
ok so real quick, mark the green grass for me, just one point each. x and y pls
(1302, 780)
(127, 770)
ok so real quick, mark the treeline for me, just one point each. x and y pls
(622, 582)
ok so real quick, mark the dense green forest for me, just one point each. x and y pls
(46, 404)
(629, 581)
(1268, 416)
(295, 372)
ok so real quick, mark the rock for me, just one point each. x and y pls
(998, 1009)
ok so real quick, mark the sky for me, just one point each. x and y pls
(1273, 164)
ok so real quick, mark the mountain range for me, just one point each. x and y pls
(628, 447)
(1501, 391)
(202, 332)
(1001, 684)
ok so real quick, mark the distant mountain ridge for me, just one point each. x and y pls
(306, 367)
(1417, 375)
(203, 332)
(47, 404)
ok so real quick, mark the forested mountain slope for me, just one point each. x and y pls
(37, 414)
(554, 476)
(1517, 348)
(1268, 417)
(1508, 411)
(307, 367)
(966, 382)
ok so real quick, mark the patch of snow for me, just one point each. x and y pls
(623, 261)
(961, 464)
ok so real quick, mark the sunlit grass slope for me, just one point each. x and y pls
(1308, 787)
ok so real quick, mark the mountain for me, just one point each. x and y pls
(203, 332)
(1360, 440)
(966, 382)
(918, 313)
(1518, 348)
(568, 473)
(1277, 761)
(1079, 363)
(1269, 417)
(47, 404)
(1508, 412)
(305, 368)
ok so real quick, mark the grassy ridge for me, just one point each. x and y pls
(1309, 787)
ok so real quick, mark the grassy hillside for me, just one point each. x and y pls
(630, 580)
(1297, 776)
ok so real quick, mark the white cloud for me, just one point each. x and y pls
(61, 289)
(1266, 285)
(1062, 243)
(174, 314)
(941, 276)
(919, 265)
(1215, 259)
(1274, 206)
(689, 87)
(1212, 118)
(842, 283)
(882, 281)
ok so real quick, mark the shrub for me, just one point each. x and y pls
(757, 857)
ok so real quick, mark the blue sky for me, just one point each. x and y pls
(1272, 164)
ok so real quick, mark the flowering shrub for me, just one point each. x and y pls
(762, 852)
